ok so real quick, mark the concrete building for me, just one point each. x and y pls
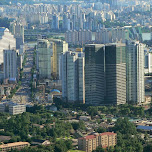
(10, 64)
(59, 46)
(111, 35)
(148, 62)
(44, 58)
(91, 142)
(73, 85)
(135, 72)
(7, 41)
(17, 30)
(105, 74)
(16, 145)
(55, 22)
(12, 108)
(15, 109)
(78, 37)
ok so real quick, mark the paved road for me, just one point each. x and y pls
(24, 92)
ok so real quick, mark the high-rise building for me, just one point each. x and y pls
(94, 74)
(73, 85)
(59, 46)
(105, 74)
(55, 22)
(18, 31)
(135, 72)
(148, 62)
(44, 58)
(10, 64)
(115, 73)
(7, 41)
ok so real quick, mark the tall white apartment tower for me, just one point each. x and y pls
(7, 41)
(10, 64)
(44, 58)
(135, 72)
(73, 88)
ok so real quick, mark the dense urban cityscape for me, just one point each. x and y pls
(76, 76)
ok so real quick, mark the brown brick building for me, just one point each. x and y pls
(91, 142)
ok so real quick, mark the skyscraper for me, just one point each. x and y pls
(135, 72)
(115, 74)
(73, 85)
(94, 74)
(59, 46)
(18, 31)
(55, 22)
(44, 58)
(7, 41)
(105, 74)
(10, 64)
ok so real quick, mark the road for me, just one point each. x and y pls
(23, 94)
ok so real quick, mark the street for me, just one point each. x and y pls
(23, 94)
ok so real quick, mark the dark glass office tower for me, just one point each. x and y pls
(115, 74)
(94, 74)
(105, 74)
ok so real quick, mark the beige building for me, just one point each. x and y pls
(16, 145)
(59, 46)
(91, 142)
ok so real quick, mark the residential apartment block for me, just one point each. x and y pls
(135, 72)
(73, 84)
(10, 64)
(44, 58)
(12, 108)
(91, 142)
(16, 145)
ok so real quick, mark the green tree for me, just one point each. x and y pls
(60, 146)
(148, 148)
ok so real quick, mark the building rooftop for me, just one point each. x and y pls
(107, 133)
(148, 128)
(54, 90)
(94, 136)
(13, 144)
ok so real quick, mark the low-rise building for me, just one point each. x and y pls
(15, 109)
(16, 145)
(12, 108)
(91, 142)
(41, 142)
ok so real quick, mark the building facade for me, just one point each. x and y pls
(10, 64)
(7, 41)
(59, 46)
(115, 74)
(16, 145)
(105, 74)
(94, 74)
(12, 108)
(73, 84)
(91, 142)
(44, 58)
(135, 72)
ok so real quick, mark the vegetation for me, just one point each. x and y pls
(22, 128)
(118, 111)
(128, 140)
